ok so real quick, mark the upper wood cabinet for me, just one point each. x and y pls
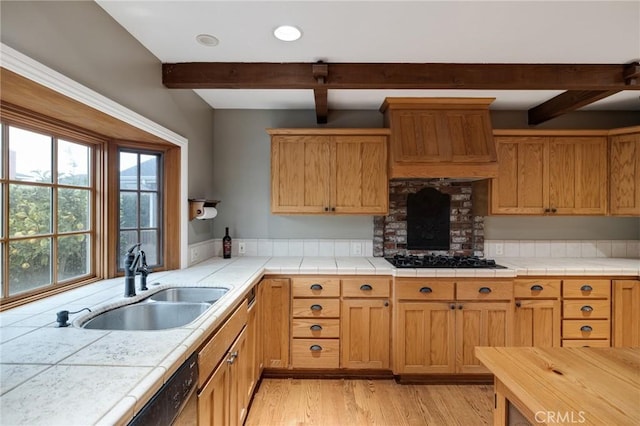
(329, 171)
(440, 137)
(624, 165)
(546, 173)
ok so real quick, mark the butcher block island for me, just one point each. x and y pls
(590, 386)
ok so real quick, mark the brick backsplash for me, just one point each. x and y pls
(466, 233)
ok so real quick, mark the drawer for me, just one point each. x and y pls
(580, 343)
(315, 353)
(316, 308)
(315, 287)
(534, 289)
(586, 309)
(365, 287)
(596, 289)
(484, 290)
(315, 328)
(423, 289)
(586, 329)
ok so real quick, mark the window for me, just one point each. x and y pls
(47, 193)
(140, 199)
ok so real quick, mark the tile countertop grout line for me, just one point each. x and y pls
(243, 272)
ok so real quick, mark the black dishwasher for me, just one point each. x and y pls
(167, 404)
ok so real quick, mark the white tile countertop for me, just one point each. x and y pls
(74, 376)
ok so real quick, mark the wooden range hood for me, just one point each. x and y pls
(440, 138)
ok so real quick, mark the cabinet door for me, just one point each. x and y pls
(213, 399)
(537, 323)
(523, 175)
(425, 338)
(300, 174)
(239, 370)
(275, 322)
(365, 334)
(360, 169)
(625, 175)
(626, 313)
(480, 324)
(419, 136)
(578, 175)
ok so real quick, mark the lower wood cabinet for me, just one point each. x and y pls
(439, 336)
(365, 333)
(626, 313)
(538, 312)
(276, 302)
(224, 381)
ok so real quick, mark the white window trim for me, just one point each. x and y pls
(23, 65)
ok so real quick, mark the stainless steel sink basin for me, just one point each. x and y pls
(190, 294)
(147, 316)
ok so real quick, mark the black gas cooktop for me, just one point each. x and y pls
(434, 261)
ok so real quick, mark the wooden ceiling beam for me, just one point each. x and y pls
(320, 72)
(565, 102)
(242, 75)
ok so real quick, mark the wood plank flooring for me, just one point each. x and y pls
(368, 402)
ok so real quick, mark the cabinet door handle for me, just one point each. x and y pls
(326, 209)
(232, 357)
(518, 304)
(316, 327)
(366, 287)
(452, 306)
(315, 287)
(316, 307)
(315, 348)
(536, 287)
(586, 308)
(484, 290)
(586, 287)
(553, 210)
(333, 209)
(586, 328)
(426, 290)
(547, 210)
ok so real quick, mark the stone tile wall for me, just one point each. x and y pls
(467, 231)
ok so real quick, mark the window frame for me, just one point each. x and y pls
(104, 212)
(26, 120)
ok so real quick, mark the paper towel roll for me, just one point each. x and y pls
(207, 213)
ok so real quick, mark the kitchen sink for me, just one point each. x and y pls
(147, 315)
(190, 294)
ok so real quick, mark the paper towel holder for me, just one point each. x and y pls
(197, 205)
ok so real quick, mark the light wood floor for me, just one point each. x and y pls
(368, 402)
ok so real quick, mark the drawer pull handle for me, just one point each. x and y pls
(316, 327)
(484, 290)
(586, 287)
(316, 307)
(232, 357)
(315, 348)
(586, 308)
(536, 287)
(426, 290)
(366, 287)
(586, 328)
(518, 304)
(315, 287)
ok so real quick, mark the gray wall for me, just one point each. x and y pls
(80, 40)
(241, 167)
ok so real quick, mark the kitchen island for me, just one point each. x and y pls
(590, 386)
(51, 375)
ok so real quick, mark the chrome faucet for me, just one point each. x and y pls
(135, 264)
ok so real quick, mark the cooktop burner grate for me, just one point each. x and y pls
(438, 261)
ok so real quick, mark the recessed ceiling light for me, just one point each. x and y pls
(287, 33)
(207, 40)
